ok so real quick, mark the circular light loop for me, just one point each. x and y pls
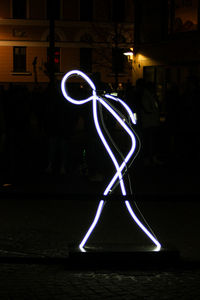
(86, 78)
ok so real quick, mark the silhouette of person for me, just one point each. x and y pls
(149, 121)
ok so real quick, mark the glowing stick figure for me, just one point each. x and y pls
(118, 176)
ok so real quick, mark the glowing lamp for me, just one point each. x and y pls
(128, 53)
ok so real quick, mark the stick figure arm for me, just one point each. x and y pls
(130, 113)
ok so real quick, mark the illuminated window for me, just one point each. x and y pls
(53, 8)
(86, 10)
(56, 59)
(183, 15)
(118, 60)
(19, 9)
(19, 59)
(86, 60)
(118, 10)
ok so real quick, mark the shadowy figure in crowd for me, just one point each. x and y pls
(172, 122)
(17, 113)
(137, 100)
(2, 131)
(58, 131)
(92, 145)
(37, 133)
(129, 96)
(189, 121)
(35, 129)
(148, 119)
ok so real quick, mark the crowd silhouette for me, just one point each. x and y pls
(41, 133)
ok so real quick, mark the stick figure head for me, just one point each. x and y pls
(86, 78)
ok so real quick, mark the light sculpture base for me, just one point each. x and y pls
(111, 257)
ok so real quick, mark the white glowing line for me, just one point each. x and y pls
(158, 245)
(118, 168)
(131, 114)
(79, 102)
(98, 213)
(87, 79)
(123, 165)
(107, 146)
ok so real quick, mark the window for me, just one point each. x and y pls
(183, 15)
(19, 59)
(118, 60)
(56, 59)
(53, 9)
(86, 60)
(19, 9)
(118, 10)
(86, 10)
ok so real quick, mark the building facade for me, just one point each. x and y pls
(167, 42)
(90, 35)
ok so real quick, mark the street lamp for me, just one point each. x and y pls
(129, 54)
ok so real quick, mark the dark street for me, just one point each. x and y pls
(37, 233)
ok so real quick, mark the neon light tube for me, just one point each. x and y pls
(97, 216)
(119, 168)
(87, 79)
(131, 114)
(135, 218)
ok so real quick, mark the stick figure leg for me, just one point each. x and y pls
(92, 226)
(136, 219)
(144, 229)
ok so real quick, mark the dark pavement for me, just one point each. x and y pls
(55, 282)
(43, 218)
